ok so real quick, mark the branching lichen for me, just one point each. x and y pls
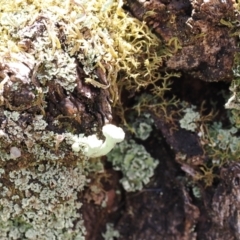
(60, 64)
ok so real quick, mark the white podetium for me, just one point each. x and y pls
(94, 147)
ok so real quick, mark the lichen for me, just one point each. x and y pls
(190, 119)
(61, 65)
(41, 203)
(141, 126)
(110, 233)
(135, 163)
(223, 143)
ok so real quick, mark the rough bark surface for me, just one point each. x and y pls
(202, 50)
(201, 45)
(168, 208)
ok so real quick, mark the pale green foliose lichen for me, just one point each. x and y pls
(224, 142)
(190, 119)
(44, 203)
(135, 163)
(221, 142)
(142, 126)
(225, 138)
(110, 233)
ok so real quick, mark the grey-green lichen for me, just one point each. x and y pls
(42, 45)
(39, 142)
(41, 202)
(223, 143)
(190, 119)
(141, 125)
(110, 233)
(135, 163)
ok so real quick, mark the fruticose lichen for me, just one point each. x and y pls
(63, 64)
(219, 141)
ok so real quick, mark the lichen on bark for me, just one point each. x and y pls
(201, 45)
(62, 65)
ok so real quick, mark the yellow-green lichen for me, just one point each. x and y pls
(41, 43)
